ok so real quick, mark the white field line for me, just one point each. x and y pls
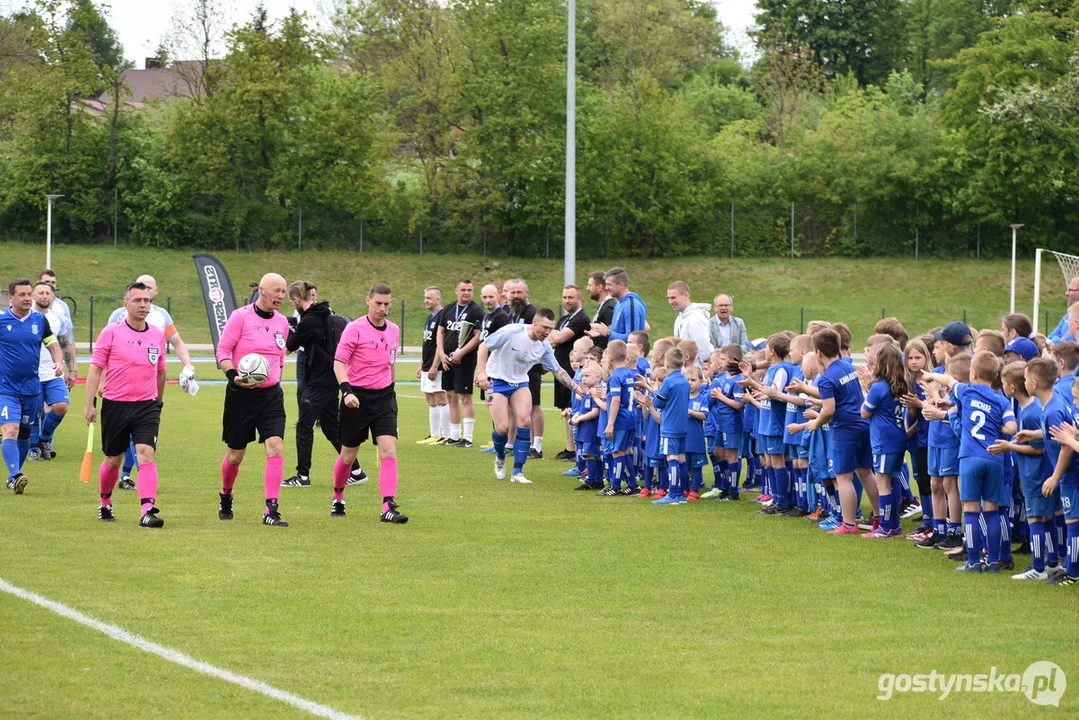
(175, 656)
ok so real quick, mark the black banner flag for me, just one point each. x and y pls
(217, 292)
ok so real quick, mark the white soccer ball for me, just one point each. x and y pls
(253, 367)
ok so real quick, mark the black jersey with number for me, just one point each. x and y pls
(493, 322)
(430, 344)
(452, 318)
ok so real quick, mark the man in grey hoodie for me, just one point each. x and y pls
(692, 320)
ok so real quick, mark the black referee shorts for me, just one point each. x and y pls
(376, 416)
(123, 422)
(261, 409)
(535, 382)
(459, 377)
(563, 396)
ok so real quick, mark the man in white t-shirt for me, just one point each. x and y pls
(54, 397)
(159, 318)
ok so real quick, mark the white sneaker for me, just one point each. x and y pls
(1031, 574)
(911, 512)
(500, 469)
(520, 478)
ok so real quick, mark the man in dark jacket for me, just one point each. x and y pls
(314, 333)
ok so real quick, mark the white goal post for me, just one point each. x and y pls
(1069, 266)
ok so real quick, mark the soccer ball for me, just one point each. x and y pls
(253, 367)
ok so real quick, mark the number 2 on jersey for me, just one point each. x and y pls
(978, 418)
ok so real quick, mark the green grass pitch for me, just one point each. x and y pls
(495, 600)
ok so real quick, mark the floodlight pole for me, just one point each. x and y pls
(1015, 229)
(570, 271)
(48, 231)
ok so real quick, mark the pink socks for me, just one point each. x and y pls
(340, 479)
(228, 475)
(387, 481)
(107, 478)
(275, 470)
(147, 485)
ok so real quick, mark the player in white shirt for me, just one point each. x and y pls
(513, 351)
(54, 390)
(159, 318)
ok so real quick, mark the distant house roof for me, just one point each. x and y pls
(158, 83)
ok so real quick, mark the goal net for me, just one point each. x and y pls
(1069, 266)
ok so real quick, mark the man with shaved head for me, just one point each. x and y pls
(159, 318)
(252, 406)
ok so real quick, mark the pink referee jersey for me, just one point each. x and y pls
(246, 332)
(369, 353)
(131, 359)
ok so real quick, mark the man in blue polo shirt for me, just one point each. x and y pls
(22, 332)
(630, 312)
(1061, 331)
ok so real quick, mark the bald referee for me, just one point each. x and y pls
(252, 407)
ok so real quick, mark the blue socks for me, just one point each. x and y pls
(697, 479)
(1005, 534)
(521, 445)
(1072, 565)
(595, 474)
(991, 520)
(49, 425)
(1037, 545)
(972, 537)
(887, 511)
(674, 478)
(10, 448)
(131, 460)
(927, 510)
(499, 441)
(24, 450)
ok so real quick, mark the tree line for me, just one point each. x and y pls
(862, 127)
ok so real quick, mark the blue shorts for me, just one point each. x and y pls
(672, 446)
(623, 440)
(55, 391)
(848, 456)
(506, 389)
(590, 448)
(696, 460)
(1004, 499)
(710, 444)
(771, 444)
(943, 461)
(19, 409)
(732, 441)
(1069, 498)
(1041, 506)
(797, 452)
(888, 463)
(980, 479)
(657, 462)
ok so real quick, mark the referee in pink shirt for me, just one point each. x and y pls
(131, 355)
(252, 407)
(364, 368)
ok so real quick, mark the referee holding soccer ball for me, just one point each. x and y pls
(253, 405)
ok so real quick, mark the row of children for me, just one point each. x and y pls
(989, 431)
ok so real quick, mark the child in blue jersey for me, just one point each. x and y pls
(585, 422)
(576, 361)
(770, 424)
(1066, 355)
(599, 396)
(887, 434)
(943, 455)
(655, 463)
(826, 512)
(672, 401)
(1034, 468)
(986, 417)
(727, 408)
(639, 341)
(916, 355)
(617, 436)
(1062, 447)
(696, 448)
(794, 414)
(841, 405)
